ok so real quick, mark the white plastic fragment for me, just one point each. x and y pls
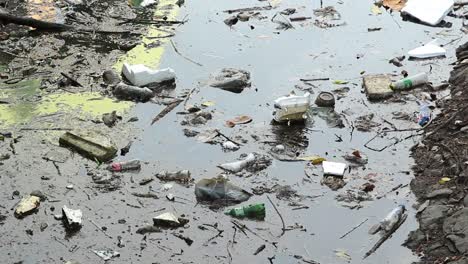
(140, 75)
(428, 11)
(166, 219)
(229, 145)
(106, 254)
(72, 218)
(237, 166)
(146, 3)
(431, 49)
(333, 168)
(291, 107)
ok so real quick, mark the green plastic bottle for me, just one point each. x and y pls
(256, 211)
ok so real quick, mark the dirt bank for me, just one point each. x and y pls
(441, 173)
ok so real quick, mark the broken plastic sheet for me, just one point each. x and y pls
(220, 189)
(431, 12)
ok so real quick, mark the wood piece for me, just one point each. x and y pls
(354, 228)
(255, 8)
(386, 236)
(166, 111)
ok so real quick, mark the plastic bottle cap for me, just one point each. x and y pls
(325, 99)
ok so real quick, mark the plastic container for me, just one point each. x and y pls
(255, 211)
(410, 82)
(431, 49)
(325, 99)
(125, 166)
(424, 114)
(392, 218)
(292, 107)
(140, 75)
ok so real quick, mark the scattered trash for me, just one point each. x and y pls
(140, 75)
(430, 50)
(396, 5)
(410, 82)
(377, 86)
(27, 205)
(182, 176)
(334, 183)
(315, 160)
(254, 211)
(376, 10)
(229, 145)
(232, 80)
(238, 120)
(237, 166)
(340, 82)
(145, 181)
(70, 187)
(72, 218)
(325, 99)
(325, 17)
(397, 61)
(291, 108)
(389, 221)
(333, 168)
(125, 166)
(424, 116)
(356, 157)
(220, 188)
(106, 254)
(444, 180)
(169, 220)
(367, 187)
(431, 12)
(364, 123)
(128, 92)
(343, 255)
(288, 11)
(87, 147)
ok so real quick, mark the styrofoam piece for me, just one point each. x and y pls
(146, 3)
(431, 49)
(333, 168)
(428, 11)
(291, 107)
(140, 75)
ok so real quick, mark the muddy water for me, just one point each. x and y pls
(276, 60)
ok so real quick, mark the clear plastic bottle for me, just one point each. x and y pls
(410, 82)
(125, 165)
(424, 114)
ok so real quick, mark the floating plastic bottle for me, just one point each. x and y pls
(410, 82)
(256, 211)
(125, 166)
(424, 114)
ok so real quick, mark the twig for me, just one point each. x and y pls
(183, 56)
(152, 21)
(354, 228)
(283, 230)
(158, 37)
(255, 8)
(386, 236)
(50, 128)
(226, 137)
(188, 96)
(399, 186)
(166, 111)
(73, 81)
(314, 79)
(100, 229)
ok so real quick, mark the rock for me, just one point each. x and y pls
(432, 216)
(27, 205)
(460, 261)
(377, 86)
(465, 201)
(439, 193)
(415, 238)
(110, 119)
(111, 77)
(39, 194)
(456, 229)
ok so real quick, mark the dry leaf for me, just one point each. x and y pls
(394, 4)
(238, 120)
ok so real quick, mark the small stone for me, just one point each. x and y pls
(43, 226)
(70, 187)
(439, 193)
(465, 201)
